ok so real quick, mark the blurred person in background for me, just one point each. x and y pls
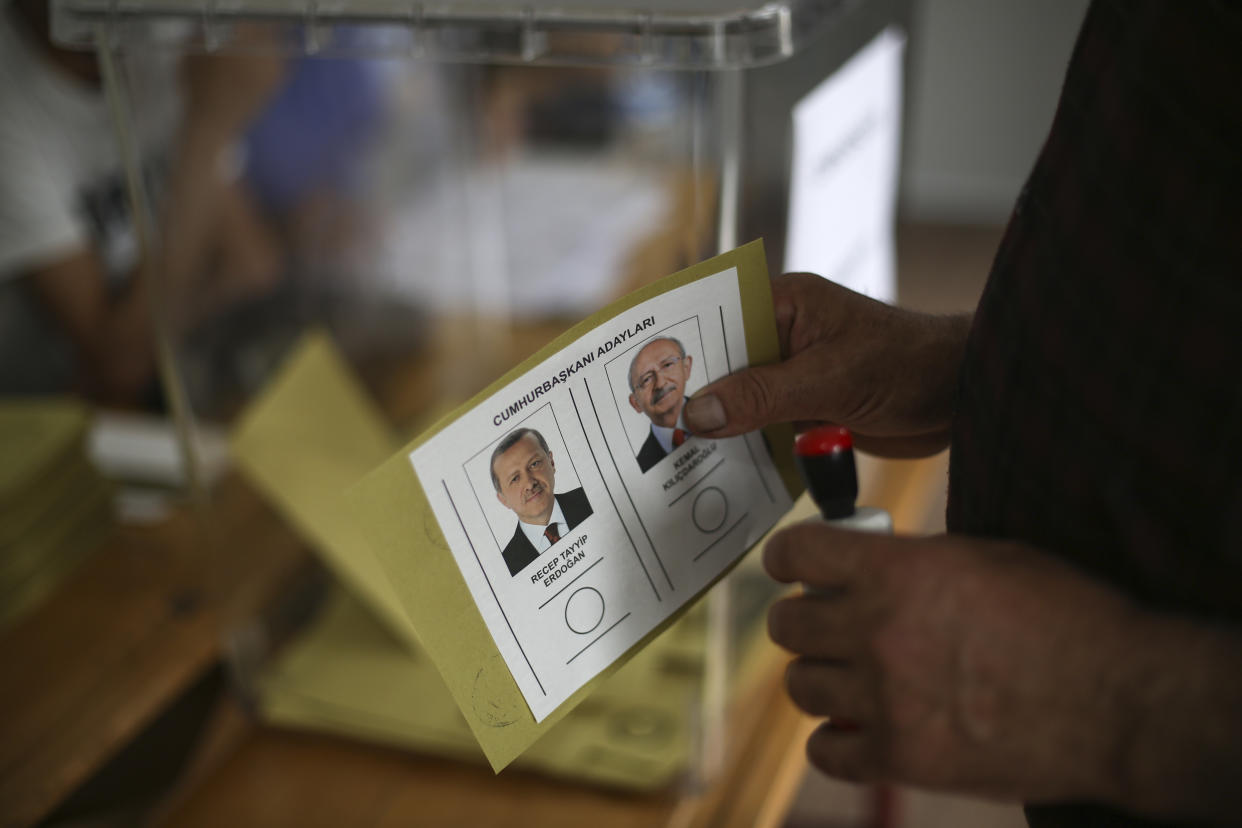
(75, 292)
(303, 151)
(1073, 640)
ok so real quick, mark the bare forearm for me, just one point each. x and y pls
(112, 335)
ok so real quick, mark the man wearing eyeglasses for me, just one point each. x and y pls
(658, 375)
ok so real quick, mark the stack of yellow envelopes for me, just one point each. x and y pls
(55, 507)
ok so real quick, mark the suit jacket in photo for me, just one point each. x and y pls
(520, 551)
(651, 452)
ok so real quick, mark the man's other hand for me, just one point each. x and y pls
(955, 663)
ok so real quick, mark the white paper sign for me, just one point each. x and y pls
(641, 526)
(843, 181)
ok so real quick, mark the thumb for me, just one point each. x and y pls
(753, 398)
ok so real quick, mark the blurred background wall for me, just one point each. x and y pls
(984, 77)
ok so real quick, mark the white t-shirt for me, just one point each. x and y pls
(63, 187)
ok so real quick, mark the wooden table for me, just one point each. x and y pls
(130, 631)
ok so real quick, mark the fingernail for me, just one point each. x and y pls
(705, 413)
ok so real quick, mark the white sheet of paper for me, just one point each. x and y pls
(843, 181)
(651, 540)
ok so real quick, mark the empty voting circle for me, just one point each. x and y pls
(584, 610)
(710, 509)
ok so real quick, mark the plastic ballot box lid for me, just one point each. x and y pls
(674, 34)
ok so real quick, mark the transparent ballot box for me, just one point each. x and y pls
(354, 215)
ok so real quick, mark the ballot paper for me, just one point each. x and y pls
(521, 620)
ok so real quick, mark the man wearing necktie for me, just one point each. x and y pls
(524, 475)
(658, 375)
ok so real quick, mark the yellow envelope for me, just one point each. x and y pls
(394, 514)
(311, 433)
